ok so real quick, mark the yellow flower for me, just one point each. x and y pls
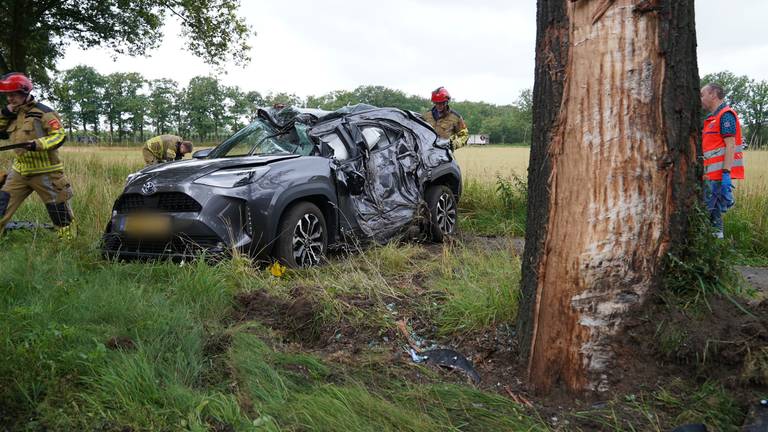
(277, 269)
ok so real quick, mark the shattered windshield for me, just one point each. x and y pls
(260, 138)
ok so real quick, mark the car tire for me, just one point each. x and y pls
(302, 237)
(443, 212)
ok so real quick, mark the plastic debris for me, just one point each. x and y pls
(440, 357)
(416, 357)
(26, 225)
(447, 358)
(414, 341)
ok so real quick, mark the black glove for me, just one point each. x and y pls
(30, 145)
(7, 113)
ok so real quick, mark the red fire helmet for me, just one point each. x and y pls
(440, 95)
(15, 82)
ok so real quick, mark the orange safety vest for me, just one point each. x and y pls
(713, 146)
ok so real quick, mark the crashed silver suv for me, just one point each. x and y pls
(291, 185)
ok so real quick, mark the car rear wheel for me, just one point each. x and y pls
(302, 236)
(443, 212)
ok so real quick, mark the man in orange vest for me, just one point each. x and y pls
(723, 158)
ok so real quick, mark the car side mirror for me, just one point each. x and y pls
(201, 154)
(443, 143)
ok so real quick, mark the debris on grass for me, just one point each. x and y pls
(447, 358)
(757, 418)
(27, 225)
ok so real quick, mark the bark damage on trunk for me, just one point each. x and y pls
(615, 129)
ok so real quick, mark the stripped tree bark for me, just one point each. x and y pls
(611, 179)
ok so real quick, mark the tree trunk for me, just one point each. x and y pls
(17, 55)
(612, 176)
(4, 69)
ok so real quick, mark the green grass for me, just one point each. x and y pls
(61, 305)
(481, 289)
(494, 210)
(675, 403)
(746, 225)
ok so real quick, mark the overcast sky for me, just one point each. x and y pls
(481, 50)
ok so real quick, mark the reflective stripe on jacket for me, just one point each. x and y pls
(713, 147)
(36, 122)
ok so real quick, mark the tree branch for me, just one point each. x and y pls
(168, 6)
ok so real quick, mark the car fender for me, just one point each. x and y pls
(308, 192)
(451, 170)
(308, 178)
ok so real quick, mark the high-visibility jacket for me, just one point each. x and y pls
(713, 147)
(34, 121)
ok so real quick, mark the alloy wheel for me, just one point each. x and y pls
(446, 213)
(308, 241)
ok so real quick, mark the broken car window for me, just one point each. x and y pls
(260, 138)
(333, 141)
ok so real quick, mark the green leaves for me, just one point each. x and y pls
(213, 30)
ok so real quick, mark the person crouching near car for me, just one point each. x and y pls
(165, 148)
(723, 156)
(37, 166)
(447, 123)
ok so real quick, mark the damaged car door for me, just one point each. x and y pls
(379, 190)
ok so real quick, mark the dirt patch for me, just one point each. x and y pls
(712, 342)
(299, 317)
(217, 344)
(123, 343)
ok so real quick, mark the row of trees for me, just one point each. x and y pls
(125, 107)
(749, 97)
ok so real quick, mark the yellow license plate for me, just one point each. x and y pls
(147, 225)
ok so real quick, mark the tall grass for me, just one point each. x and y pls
(481, 289)
(494, 210)
(746, 224)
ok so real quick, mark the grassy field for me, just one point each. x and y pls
(88, 344)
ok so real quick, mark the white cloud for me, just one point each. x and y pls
(482, 50)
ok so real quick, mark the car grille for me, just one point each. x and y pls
(187, 246)
(171, 202)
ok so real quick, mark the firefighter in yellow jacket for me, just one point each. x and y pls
(447, 123)
(165, 148)
(38, 133)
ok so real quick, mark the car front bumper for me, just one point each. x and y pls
(210, 225)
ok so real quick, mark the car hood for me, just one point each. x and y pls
(187, 171)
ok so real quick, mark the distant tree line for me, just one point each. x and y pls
(749, 98)
(125, 107)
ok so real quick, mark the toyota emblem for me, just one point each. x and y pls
(148, 188)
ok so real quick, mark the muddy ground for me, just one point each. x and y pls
(662, 346)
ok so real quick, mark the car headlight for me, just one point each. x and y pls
(233, 177)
